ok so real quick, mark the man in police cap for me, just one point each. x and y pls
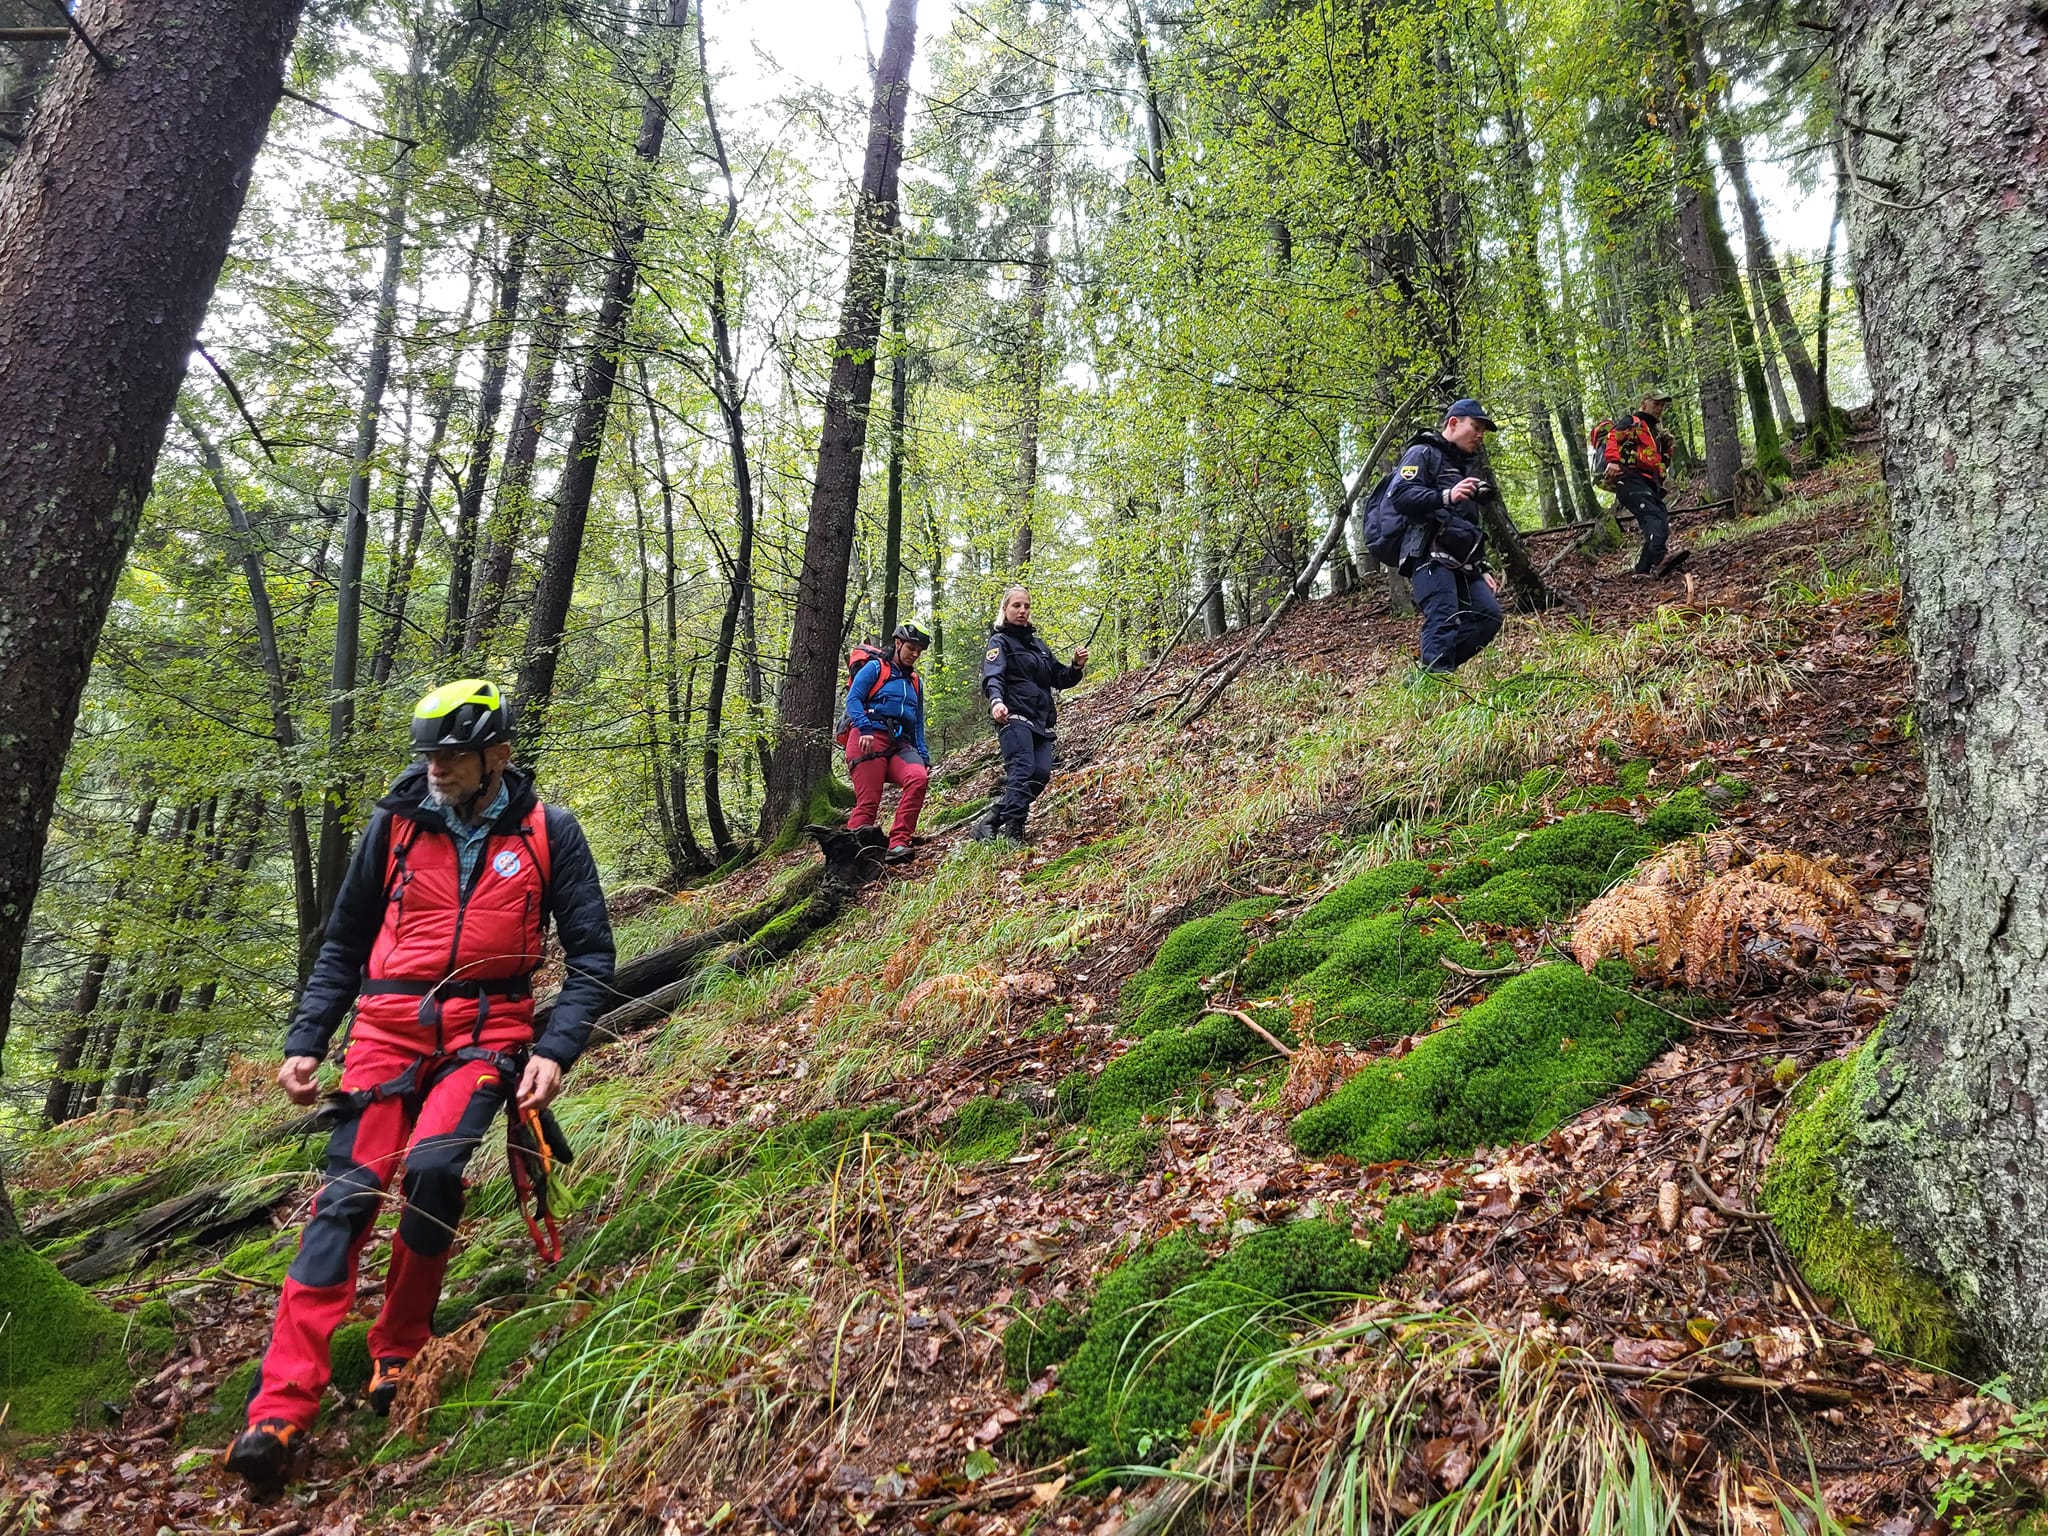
(434, 938)
(1444, 553)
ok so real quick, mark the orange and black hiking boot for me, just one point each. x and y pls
(385, 1376)
(266, 1453)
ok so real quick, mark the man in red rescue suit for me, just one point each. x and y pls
(1637, 452)
(435, 935)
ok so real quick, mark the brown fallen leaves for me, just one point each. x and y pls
(1711, 908)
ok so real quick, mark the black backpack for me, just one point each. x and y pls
(1386, 529)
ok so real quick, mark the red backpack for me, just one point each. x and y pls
(862, 653)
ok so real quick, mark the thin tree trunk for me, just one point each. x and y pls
(331, 857)
(1710, 342)
(739, 574)
(685, 855)
(550, 616)
(512, 509)
(1788, 424)
(24, 69)
(57, 1101)
(1946, 1149)
(899, 395)
(1036, 287)
(102, 291)
(482, 438)
(1155, 126)
(801, 760)
(277, 690)
(1771, 463)
(1763, 268)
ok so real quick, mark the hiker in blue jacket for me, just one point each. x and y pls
(885, 739)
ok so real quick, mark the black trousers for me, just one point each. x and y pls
(1646, 502)
(1027, 761)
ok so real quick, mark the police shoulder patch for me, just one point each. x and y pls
(1408, 471)
(995, 653)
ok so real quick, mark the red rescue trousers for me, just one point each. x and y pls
(870, 773)
(434, 1136)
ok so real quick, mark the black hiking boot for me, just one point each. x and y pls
(986, 829)
(1674, 565)
(266, 1455)
(385, 1378)
(899, 853)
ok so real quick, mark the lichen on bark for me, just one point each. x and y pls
(1944, 116)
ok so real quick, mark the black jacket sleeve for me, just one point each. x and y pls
(995, 661)
(576, 903)
(345, 949)
(1419, 497)
(1064, 675)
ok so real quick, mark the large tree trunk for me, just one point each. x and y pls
(114, 220)
(550, 616)
(1949, 1155)
(810, 687)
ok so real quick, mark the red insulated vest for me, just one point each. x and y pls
(450, 967)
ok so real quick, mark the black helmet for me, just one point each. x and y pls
(471, 714)
(914, 632)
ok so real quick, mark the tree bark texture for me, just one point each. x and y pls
(114, 220)
(810, 689)
(1949, 242)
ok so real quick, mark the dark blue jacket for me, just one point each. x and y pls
(895, 709)
(1018, 669)
(1422, 484)
(574, 900)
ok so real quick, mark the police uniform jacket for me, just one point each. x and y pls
(1018, 669)
(1422, 489)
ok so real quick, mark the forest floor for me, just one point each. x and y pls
(837, 1364)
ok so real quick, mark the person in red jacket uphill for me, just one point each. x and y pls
(435, 936)
(885, 708)
(1637, 452)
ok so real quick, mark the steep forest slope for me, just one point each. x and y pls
(1026, 1192)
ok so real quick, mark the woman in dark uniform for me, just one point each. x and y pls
(1019, 674)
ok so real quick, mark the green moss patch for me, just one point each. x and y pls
(1168, 993)
(1546, 1045)
(62, 1352)
(348, 1357)
(1165, 1332)
(1165, 1065)
(1896, 1303)
(987, 1130)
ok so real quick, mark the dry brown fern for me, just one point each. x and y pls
(1314, 1072)
(1709, 906)
(1741, 917)
(1625, 921)
(1811, 875)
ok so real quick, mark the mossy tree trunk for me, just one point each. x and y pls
(1946, 118)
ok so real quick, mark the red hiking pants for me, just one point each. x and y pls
(906, 769)
(433, 1136)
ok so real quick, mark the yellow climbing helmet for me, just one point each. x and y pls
(470, 715)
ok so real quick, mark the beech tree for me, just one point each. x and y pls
(810, 694)
(1945, 124)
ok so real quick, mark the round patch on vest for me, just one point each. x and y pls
(506, 863)
(1408, 471)
(995, 653)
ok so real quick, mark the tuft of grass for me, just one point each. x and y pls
(1164, 1332)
